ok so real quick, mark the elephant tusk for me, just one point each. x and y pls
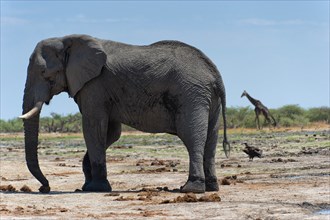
(33, 111)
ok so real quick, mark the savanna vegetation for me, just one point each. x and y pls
(238, 117)
(286, 116)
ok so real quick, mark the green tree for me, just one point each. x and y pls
(240, 117)
(62, 124)
(291, 115)
(12, 125)
(321, 114)
(73, 123)
(237, 117)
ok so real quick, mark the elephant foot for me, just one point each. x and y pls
(194, 185)
(211, 185)
(44, 189)
(97, 186)
(85, 185)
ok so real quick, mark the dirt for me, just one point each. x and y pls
(290, 181)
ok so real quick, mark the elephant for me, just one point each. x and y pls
(165, 87)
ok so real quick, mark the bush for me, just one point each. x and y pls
(12, 125)
(250, 120)
(291, 115)
(321, 114)
(237, 117)
(290, 111)
(63, 124)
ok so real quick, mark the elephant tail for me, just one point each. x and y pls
(220, 90)
(225, 143)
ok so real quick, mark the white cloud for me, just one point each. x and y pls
(81, 18)
(256, 22)
(267, 22)
(13, 21)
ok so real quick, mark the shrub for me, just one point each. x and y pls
(237, 117)
(291, 115)
(12, 125)
(321, 114)
(290, 111)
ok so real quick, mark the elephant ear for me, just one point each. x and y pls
(84, 59)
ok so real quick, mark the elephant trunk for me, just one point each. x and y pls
(31, 131)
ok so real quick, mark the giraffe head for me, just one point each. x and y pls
(244, 93)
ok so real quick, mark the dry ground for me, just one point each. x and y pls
(291, 181)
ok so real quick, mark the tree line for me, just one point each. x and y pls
(237, 117)
(286, 116)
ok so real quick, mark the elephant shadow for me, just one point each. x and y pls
(79, 191)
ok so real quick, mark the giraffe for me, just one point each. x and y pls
(260, 109)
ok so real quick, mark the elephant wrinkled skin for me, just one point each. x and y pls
(167, 86)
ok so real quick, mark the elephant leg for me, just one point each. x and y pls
(95, 133)
(192, 129)
(87, 169)
(114, 132)
(211, 182)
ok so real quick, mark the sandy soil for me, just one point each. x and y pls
(291, 181)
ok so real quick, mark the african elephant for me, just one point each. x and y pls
(167, 87)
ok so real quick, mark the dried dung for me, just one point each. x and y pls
(210, 198)
(7, 188)
(25, 188)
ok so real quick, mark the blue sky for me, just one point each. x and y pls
(276, 50)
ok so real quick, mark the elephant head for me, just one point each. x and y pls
(56, 65)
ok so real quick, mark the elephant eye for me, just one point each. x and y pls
(51, 82)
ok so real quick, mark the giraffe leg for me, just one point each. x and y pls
(257, 118)
(266, 115)
(274, 121)
(268, 120)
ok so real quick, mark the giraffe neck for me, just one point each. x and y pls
(252, 100)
